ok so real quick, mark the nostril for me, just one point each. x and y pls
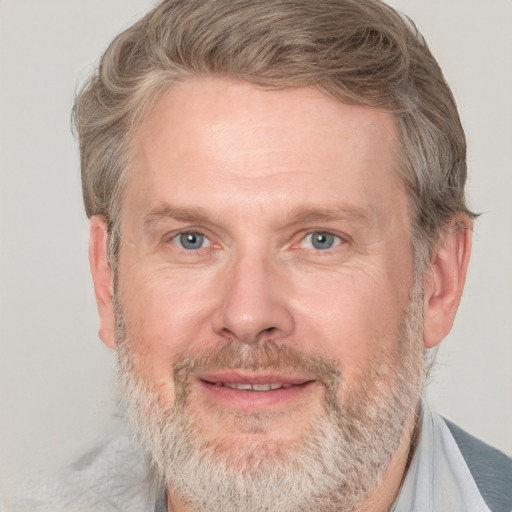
(266, 332)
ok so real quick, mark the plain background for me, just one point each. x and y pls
(56, 386)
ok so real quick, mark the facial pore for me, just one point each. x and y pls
(338, 461)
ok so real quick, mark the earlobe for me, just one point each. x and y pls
(445, 278)
(102, 277)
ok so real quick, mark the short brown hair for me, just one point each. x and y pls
(358, 51)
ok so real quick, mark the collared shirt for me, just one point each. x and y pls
(118, 477)
(438, 478)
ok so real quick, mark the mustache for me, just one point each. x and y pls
(267, 355)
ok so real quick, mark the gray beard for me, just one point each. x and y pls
(342, 455)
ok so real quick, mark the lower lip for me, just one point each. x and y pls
(247, 400)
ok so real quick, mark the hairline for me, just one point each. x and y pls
(421, 248)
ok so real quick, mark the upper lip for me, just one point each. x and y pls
(245, 377)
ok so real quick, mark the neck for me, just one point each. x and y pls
(388, 488)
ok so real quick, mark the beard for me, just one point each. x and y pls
(340, 457)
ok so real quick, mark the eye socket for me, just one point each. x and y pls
(321, 240)
(191, 240)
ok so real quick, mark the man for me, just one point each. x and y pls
(278, 233)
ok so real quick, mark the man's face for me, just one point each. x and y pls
(265, 267)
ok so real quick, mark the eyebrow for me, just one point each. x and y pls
(179, 213)
(299, 214)
(352, 213)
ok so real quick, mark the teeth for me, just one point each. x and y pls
(261, 387)
(253, 387)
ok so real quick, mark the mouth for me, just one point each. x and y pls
(250, 392)
(243, 386)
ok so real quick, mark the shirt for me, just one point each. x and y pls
(119, 477)
(438, 478)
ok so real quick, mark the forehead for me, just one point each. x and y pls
(256, 146)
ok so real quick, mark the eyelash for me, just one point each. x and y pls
(336, 240)
(177, 240)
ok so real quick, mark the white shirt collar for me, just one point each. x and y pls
(438, 478)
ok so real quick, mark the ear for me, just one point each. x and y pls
(444, 279)
(102, 277)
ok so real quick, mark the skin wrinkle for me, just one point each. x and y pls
(162, 219)
(301, 214)
(265, 289)
(432, 143)
(365, 403)
(351, 217)
(342, 115)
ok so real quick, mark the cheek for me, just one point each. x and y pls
(165, 316)
(355, 314)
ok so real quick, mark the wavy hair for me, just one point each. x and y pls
(360, 52)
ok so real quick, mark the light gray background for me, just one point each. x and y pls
(56, 391)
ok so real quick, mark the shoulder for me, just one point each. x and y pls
(115, 476)
(490, 468)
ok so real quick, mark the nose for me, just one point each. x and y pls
(253, 304)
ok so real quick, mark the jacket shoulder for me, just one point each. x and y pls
(490, 468)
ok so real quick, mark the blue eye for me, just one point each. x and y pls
(321, 240)
(191, 241)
